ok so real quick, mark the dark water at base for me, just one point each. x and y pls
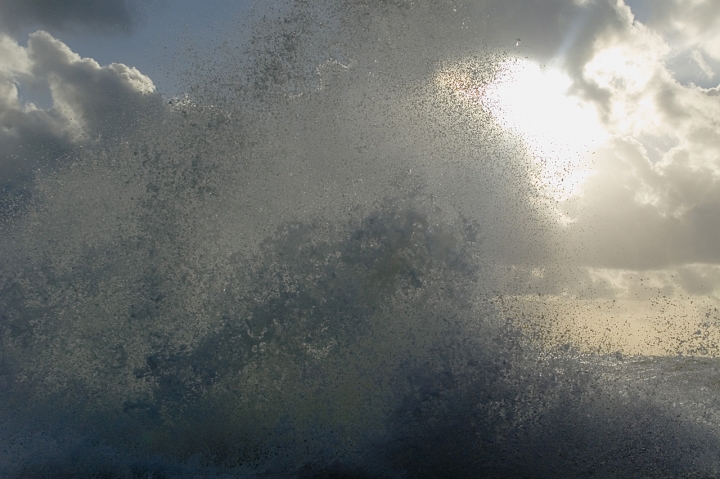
(371, 355)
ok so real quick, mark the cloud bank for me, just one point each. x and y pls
(653, 201)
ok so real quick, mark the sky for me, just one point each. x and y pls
(618, 103)
(284, 219)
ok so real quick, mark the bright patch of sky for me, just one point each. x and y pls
(561, 130)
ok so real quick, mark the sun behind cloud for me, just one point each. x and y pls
(533, 102)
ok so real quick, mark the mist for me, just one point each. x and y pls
(304, 267)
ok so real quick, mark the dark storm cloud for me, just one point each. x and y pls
(98, 16)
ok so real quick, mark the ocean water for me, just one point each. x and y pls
(299, 269)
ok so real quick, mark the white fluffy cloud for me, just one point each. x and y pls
(86, 101)
(654, 200)
(691, 28)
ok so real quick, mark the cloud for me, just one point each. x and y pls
(706, 69)
(653, 197)
(87, 102)
(97, 16)
(687, 24)
(637, 215)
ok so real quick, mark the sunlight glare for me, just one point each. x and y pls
(559, 129)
